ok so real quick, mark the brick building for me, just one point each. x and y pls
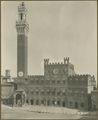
(59, 86)
(7, 89)
(94, 99)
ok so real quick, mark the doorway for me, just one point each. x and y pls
(19, 100)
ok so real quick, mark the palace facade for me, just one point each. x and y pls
(59, 86)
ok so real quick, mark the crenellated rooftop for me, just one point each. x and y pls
(81, 77)
(65, 61)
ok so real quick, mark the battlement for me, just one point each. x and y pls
(46, 61)
(79, 77)
(66, 61)
(35, 76)
(22, 7)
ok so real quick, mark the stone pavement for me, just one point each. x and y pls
(39, 112)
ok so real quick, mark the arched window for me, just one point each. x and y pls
(48, 92)
(82, 104)
(32, 102)
(37, 102)
(59, 93)
(94, 88)
(48, 102)
(42, 92)
(21, 16)
(53, 92)
(58, 102)
(76, 105)
(32, 92)
(53, 102)
(37, 92)
(64, 81)
(27, 101)
(15, 86)
(70, 103)
(58, 82)
(63, 103)
(53, 81)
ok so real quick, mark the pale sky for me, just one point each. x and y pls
(57, 29)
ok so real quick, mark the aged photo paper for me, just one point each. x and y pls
(49, 60)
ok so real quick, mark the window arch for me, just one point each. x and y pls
(32, 101)
(37, 102)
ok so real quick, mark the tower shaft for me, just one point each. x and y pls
(22, 42)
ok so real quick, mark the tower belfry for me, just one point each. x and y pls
(22, 28)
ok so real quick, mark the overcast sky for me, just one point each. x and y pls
(57, 29)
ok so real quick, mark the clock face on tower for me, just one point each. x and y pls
(20, 74)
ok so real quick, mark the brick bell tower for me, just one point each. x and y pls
(22, 41)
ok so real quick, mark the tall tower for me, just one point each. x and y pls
(22, 41)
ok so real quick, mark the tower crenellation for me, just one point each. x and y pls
(66, 60)
(46, 61)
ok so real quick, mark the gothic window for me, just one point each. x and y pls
(27, 101)
(48, 92)
(53, 92)
(48, 102)
(32, 92)
(70, 91)
(37, 102)
(58, 102)
(37, 92)
(42, 92)
(53, 81)
(32, 102)
(94, 88)
(64, 81)
(58, 93)
(15, 86)
(82, 104)
(70, 103)
(21, 16)
(42, 101)
(63, 103)
(26, 79)
(37, 81)
(47, 81)
(76, 105)
(41, 81)
(53, 102)
(64, 93)
(58, 81)
(33, 81)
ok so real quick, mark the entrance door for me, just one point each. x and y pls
(19, 100)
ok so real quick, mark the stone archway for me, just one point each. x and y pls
(19, 98)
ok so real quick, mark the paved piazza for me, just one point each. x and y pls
(40, 112)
